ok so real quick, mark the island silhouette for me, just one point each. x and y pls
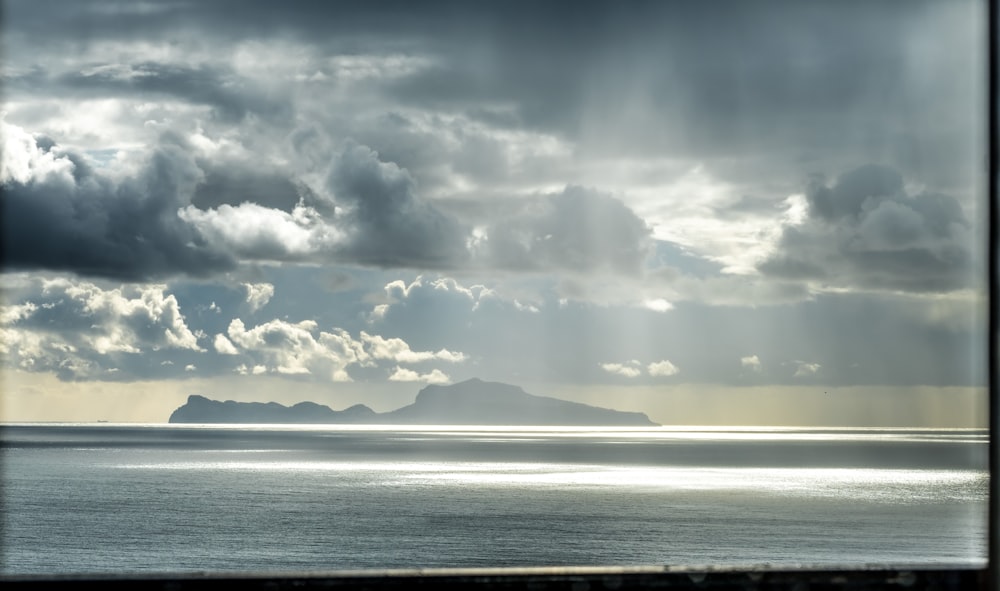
(472, 402)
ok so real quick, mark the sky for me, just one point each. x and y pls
(727, 212)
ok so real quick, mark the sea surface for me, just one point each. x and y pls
(169, 498)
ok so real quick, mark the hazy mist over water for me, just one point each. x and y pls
(110, 498)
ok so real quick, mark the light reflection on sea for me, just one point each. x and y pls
(191, 498)
(894, 486)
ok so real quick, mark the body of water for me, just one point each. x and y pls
(168, 498)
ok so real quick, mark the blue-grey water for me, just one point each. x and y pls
(167, 498)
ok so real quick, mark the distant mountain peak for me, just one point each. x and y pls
(470, 402)
(200, 409)
(471, 387)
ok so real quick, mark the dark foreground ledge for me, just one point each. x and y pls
(536, 579)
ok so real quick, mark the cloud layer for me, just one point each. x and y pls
(866, 231)
(80, 330)
(648, 195)
(62, 214)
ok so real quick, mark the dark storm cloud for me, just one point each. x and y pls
(709, 78)
(577, 230)
(807, 81)
(388, 225)
(95, 226)
(423, 152)
(173, 218)
(731, 82)
(866, 231)
(237, 182)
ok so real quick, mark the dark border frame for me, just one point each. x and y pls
(542, 579)
(992, 105)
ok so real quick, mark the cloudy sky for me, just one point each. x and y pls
(712, 212)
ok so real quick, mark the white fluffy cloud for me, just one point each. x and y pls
(14, 312)
(662, 368)
(83, 330)
(243, 370)
(258, 295)
(630, 369)
(658, 305)
(633, 369)
(397, 350)
(253, 232)
(751, 362)
(79, 329)
(128, 319)
(23, 161)
(401, 374)
(224, 346)
(293, 348)
(400, 290)
(34, 351)
(522, 307)
(300, 348)
(475, 296)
